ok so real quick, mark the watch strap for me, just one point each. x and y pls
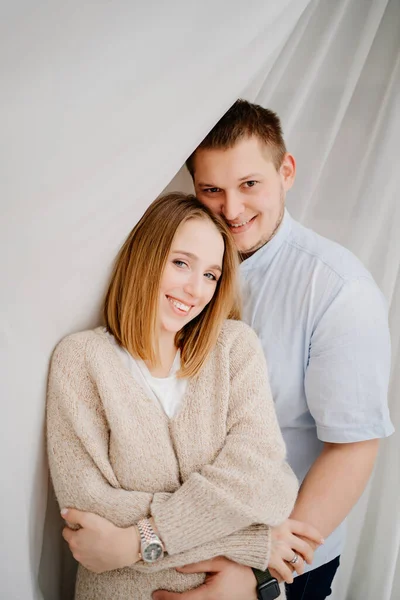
(267, 585)
(262, 576)
(146, 532)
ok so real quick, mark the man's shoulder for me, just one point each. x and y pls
(317, 250)
(339, 276)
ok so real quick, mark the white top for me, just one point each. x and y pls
(167, 391)
(322, 322)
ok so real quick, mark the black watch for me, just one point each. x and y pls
(267, 586)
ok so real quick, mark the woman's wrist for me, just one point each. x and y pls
(131, 545)
(154, 527)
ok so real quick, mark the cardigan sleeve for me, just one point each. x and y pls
(77, 444)
(249, 481)
(83, 478)
(250, 547)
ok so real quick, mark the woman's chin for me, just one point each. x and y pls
(173, 328)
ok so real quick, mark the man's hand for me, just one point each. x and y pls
(99, 545)
(287, 539)
(225, 580)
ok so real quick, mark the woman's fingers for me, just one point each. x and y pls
(302, 547)
(284, 571)
(280, 556)
(293, 540)
(297, 566)
(305, 530)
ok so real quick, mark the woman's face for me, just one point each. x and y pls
(191, 273)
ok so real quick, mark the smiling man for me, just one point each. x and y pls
(323, 325)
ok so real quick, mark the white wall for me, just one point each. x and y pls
(100, 104)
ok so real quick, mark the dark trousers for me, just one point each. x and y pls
(315, 585)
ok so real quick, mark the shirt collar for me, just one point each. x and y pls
(266, 253)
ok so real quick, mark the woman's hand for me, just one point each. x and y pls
(99, 545)
(289, 539)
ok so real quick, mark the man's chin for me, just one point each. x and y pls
(250, 247)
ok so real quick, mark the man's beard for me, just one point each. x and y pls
(247, 253)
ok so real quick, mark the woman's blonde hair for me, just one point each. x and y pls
(132, 300)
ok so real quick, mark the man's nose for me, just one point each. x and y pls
(232, 206)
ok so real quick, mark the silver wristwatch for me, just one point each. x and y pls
(151, 547)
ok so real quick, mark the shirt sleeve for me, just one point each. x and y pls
(347, 376)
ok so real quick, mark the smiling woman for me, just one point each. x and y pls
(190, 275)
(162, 423)
(176, 253)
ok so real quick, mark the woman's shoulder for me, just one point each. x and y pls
(241, 346)
(237, 332)
(74, 348)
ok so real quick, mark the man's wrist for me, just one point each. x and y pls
(267, 585)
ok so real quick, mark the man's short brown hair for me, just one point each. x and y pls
(242, 120)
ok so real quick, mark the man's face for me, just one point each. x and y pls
(243, 185)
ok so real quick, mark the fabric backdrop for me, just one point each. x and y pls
(100, 105)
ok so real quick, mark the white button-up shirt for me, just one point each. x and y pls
(323, 325)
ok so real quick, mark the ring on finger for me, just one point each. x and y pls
(294, 559)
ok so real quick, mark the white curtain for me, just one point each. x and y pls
(336, 84)
(100, 105)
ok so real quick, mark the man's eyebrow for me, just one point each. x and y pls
(194, 257)
(245, 178)
(206, 184)
(251, 176)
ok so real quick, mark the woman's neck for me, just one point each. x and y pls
(166, 352)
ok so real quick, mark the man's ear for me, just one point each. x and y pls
(288, 171)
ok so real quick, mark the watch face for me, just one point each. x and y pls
(269, 590)
(152, 552)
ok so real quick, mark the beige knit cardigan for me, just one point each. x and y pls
(214, 477)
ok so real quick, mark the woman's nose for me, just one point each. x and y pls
(193, 285)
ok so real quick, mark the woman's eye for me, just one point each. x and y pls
(210, 276)
(180, 263)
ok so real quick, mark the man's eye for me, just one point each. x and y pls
(212, 190)
(250, 183)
